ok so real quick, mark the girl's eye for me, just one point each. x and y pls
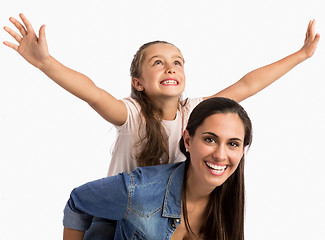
(157, 62)
(178, 63)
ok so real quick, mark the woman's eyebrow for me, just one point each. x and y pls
(211, 133)
(216, 136)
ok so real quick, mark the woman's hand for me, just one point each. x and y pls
(311, 40)
(34, 49)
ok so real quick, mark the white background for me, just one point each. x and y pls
(51, 142)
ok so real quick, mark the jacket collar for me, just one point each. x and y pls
(172, 207)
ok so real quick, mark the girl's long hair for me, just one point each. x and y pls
(154, 146)
(225, 209)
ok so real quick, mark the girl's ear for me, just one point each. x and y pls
(187, 139)
(136, 82)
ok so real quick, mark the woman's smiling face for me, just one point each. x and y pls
(216, 149)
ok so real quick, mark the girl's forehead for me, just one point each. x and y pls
(162, 49)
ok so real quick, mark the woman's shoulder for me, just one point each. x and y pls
(155, 174)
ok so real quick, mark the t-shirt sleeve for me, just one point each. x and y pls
(193, 102)
(188, 105)
(104, 198)
(133, 113)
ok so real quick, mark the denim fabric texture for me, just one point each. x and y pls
(146, 202)
(100, 229)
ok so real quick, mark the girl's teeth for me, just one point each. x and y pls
(169, 82)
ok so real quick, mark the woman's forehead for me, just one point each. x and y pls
(224, 124)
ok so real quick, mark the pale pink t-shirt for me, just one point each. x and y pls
(125, 149)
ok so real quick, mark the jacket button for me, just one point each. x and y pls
(177, 220)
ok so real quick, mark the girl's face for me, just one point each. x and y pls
(162, 72)
(215, 149)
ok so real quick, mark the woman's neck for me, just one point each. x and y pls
(196, 205)
(195, 190)
(195, 194)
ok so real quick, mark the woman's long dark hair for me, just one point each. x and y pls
(225, 210)
(154, 150)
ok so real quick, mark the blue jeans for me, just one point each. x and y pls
(101, 229)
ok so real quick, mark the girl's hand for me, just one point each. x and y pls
(32, 48)
(311, 40)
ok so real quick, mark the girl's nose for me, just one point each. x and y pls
(170, 69)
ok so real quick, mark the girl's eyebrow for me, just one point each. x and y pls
(160, 56)
(216, 136)
(156, 56)
(179, 56)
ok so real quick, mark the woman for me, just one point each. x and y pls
(201, 198)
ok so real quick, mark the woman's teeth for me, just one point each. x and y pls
(216, 168)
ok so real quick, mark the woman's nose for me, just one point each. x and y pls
(220, 153)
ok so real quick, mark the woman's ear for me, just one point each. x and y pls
(137, 84)
(243, 153)
(187, 139)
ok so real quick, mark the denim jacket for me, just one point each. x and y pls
(146, 202)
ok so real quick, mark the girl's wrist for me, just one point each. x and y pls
(46, 64)
(301, 55)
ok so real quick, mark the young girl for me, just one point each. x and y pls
(152, 120)
(201, 198)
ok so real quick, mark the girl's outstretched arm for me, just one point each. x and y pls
(34, 49)
(71, 234)
(255, 81)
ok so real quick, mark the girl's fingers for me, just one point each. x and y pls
(308, 29)
(12, 33)
(312, 29)
(19, 26)
(310, 34)
(12, 45)
(42, 37)
(316, 40)
(26, 23)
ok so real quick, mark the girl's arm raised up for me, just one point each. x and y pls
(34, 49)
(255, 81)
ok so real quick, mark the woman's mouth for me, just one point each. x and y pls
(216, 169)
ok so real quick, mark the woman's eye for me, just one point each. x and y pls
(209, 140)
(234, 144)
